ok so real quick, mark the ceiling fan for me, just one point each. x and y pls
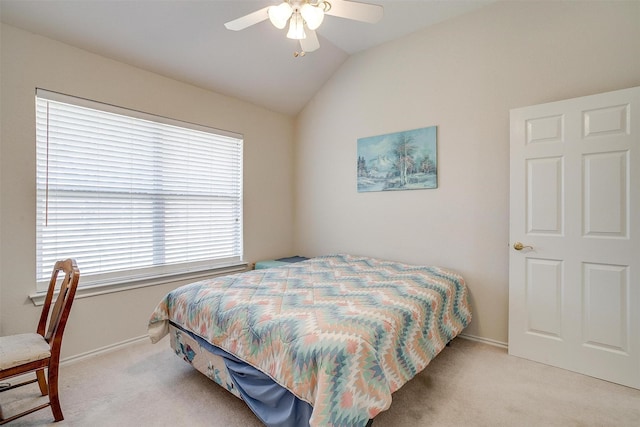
(305, 16)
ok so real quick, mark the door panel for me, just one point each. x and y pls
(544, 297)
(605, 320)
(605, 184)
(574, 283)
(544, 196)
(606, 121)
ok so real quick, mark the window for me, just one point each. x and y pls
(131, 195)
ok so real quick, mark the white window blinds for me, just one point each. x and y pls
(131, 195)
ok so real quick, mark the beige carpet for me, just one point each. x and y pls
(468, 384)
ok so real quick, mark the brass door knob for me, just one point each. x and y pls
(519, 246)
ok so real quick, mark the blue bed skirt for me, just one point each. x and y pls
(273, 404)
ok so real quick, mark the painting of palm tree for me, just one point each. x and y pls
(398, 161)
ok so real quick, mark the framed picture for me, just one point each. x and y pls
(404, 160)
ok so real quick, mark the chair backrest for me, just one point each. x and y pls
(53, 321)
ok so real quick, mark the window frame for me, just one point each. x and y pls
(158, 274)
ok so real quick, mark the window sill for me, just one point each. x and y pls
(136, 283)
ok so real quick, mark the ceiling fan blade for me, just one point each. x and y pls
(248, 20)
(363, 12)
(310, 43)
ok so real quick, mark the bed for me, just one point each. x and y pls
(321, 342)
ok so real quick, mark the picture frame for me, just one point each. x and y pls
(405, 160)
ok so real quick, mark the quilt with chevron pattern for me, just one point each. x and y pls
(341, 332)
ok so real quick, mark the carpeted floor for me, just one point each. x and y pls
(468, 384)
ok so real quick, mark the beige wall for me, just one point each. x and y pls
(29, 61)
(462, 76)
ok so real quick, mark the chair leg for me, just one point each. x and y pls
(53, 393)
(42, 382)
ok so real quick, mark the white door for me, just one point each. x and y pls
(574, 286)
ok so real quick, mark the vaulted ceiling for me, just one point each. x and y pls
(186, 40)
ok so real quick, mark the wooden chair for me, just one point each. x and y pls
(35, 352)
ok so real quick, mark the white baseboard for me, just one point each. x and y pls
(83, 356)
(489, 341)
(131, 341)
(103, 350)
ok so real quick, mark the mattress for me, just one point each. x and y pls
(273, 404)
(340, 332)
(194, 352)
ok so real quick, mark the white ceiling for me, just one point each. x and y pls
(186, 40)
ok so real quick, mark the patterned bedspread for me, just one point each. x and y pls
(341, 332)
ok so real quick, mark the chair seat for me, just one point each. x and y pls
(19, 349)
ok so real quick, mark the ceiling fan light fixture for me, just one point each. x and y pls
(313, 15)
(296, 27)
(279, 15)
(307, 15)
